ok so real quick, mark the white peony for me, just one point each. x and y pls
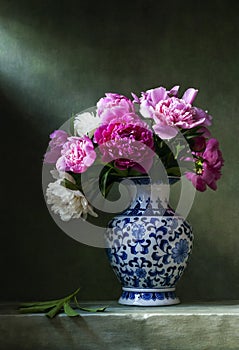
(86, 123)
(56, 174)
(69, 204)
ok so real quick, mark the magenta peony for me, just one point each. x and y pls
(208, 167)
(77, 155)
(128, 144)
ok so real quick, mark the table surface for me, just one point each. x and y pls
(194, 326)
(226, 307)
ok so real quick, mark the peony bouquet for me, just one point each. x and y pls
(125, 137)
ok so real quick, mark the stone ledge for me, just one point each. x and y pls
(185, 326)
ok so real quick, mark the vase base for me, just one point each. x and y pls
(148, 297)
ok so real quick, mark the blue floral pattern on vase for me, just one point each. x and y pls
(148, 251)
(180, 252)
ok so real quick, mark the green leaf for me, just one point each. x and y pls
(43, 306)
(179, 148)
(103, 181)
(191, 133)
(66, 183)
(36, 308)
(175, 171)
(69, 311)
(73, 294)
(55, 310)
(98, 309)
(51, 302)
(192, 136)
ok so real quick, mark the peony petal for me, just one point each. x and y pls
(86, 123)
(165, 131)
(201, 114)
(136, 98)
(145, 110)
(158, 94)
(205, 132)
(174, 91)
(58, 138)
(52, 156)
(197, 181)
(190, 95)
(90, 158)
(60, 164)
(213, 185)
(59, 134)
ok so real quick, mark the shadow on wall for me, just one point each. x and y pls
(54, 59)
(38, 260)
(22, 206)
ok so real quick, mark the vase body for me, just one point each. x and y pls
(148, 246)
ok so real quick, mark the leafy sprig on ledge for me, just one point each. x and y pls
(51, 308)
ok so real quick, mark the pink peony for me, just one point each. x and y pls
(150, 98)
(171, 113)
(127, 118)
(77, 155)
(153, 96)
(128, 144)
(115, 103)
(208, 167)
(58, 138)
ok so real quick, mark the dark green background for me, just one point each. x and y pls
(58, 58)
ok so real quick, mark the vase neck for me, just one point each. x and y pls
(149, 199)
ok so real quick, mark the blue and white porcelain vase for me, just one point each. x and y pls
(148, 246)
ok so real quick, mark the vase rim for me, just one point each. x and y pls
(147, 179)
